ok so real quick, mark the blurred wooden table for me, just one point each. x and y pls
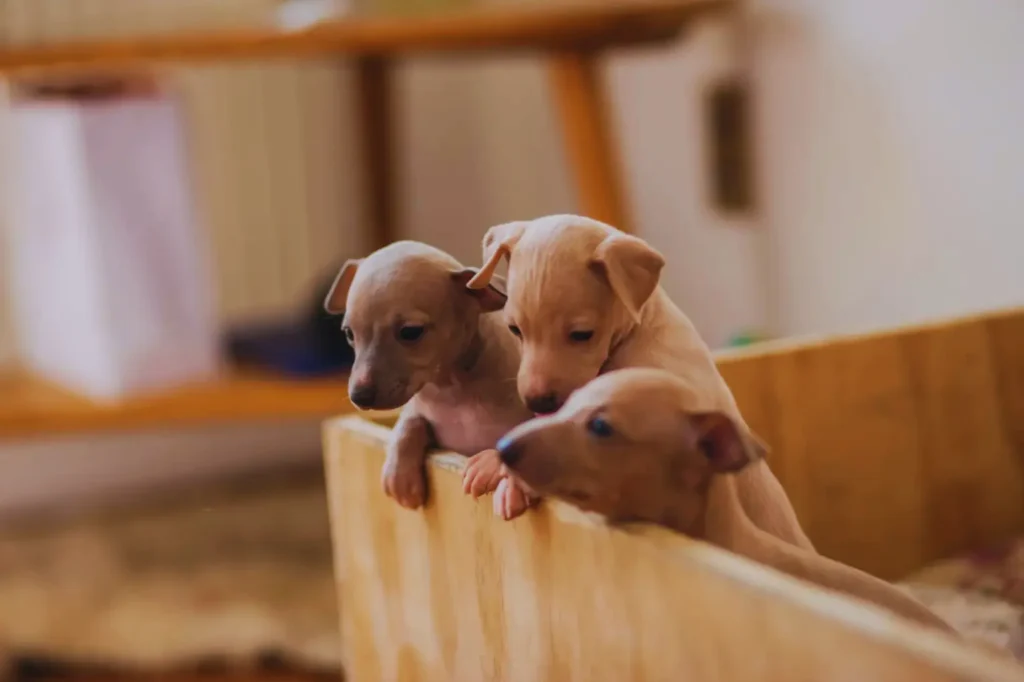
(571, 36)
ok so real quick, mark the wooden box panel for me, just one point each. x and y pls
(454, 593)
(897, 448)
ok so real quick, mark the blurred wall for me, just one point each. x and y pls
(893, 159)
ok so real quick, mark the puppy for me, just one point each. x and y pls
(422, 339)
(641, 445)
(584, 299)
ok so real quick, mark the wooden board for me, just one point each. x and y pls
(454, 593)
(183, 676)
(31, 407)
(533, 26)
(897, 448)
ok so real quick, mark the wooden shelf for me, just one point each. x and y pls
(31, 407)
(554, 26)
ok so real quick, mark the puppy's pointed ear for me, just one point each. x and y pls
(491, 296)
(498, 243)
(632, 268)
(726, 445)
(336, 297)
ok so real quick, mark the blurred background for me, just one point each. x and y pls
(180, 522)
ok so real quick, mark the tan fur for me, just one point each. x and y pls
(570, 273)
(665, 454)
(456, 380)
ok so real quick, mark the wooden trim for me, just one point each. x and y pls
(589, 137)
(541, 26)
(376, 120)
(32, 407)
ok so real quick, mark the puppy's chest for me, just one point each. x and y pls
(467, 426)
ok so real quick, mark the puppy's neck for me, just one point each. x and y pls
(721, 521)
(468, 359)
(630, 329)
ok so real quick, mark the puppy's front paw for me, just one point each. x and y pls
(510, 500)
(405, 482)
(482, 473)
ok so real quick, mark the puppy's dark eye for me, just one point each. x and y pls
(411, 332)
(581, 336)
(599, 427)
(515, 331)
(349, 336)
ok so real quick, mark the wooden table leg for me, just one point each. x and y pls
(376, 127)
(588, 137)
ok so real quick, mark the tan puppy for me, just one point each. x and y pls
(642, 445)
(425, 341)
(584, 299)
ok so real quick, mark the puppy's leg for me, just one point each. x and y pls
(512, 500)
(482, 473)
(403, 475)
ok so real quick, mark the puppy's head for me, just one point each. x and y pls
(410, 318)
(575, 288)
(633, 445)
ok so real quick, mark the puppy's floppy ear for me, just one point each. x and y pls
(491, 296)
(336, 297)
(725, 444)
(498, 243)
(632, 268)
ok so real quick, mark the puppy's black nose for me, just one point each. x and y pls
(509, 451)
(543, 404)
(363, 395)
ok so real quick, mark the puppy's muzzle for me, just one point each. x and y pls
(363, 396)
(543, 404)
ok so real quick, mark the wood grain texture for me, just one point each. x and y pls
(539, 26)
(453, 593)
(587, 131)
(897, 448)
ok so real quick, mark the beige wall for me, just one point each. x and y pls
(894, 158)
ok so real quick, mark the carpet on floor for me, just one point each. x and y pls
(226, 576)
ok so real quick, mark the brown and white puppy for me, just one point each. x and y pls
(424, 341)
(584, 299)
(640, 445)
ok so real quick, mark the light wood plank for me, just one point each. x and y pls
(974, 481)
(896, 448)
(454, 593)
(32, 407)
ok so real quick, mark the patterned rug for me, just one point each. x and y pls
(241, 576)
(981, 594)
(233, 576)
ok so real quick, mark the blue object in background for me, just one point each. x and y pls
(308, 346)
